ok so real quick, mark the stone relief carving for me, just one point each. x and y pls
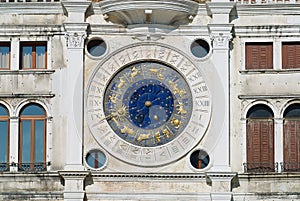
(221, 40)
(75, 40)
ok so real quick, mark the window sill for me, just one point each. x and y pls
(35, 71)
(270, 71)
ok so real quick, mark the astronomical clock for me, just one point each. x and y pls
(148, 104)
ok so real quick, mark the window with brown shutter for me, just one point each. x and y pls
(291, 129)
(259, 56)
(260, 139)
(290, 55)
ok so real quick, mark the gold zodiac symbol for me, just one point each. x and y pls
(122, 83)
(180, 109)
(166, 133)
(134, 73)
(157, 136)
(143, 137)
(113, 98)
(127, 130)
(176, 89)
(158, 72)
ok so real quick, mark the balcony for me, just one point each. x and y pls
(260, 167)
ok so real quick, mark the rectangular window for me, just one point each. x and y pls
(4, 55)
(33, 55)
(290, 55)
(259, 55)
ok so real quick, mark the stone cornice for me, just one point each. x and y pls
(76, 6)
(73, 174)
(21, 95)
(267, 31)
(152, 176)
(37, 30)
(268, 9)
(270, 96)
(31, 8)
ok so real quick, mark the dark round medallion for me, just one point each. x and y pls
(150, 105)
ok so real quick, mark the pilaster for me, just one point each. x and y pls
(14, 142)
(75, 35)
(221, 36)
(278, 141)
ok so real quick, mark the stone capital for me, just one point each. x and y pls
(75, 34)
(220, 35)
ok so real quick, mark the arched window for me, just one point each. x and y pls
(291, 129)
(4, 139)
(32, 139)
(260, 139)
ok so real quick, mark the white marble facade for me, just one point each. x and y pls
(71, 91)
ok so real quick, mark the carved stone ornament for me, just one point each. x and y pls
(75, 39)
(220, 40)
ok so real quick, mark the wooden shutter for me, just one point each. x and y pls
(259, 56)
(291, 145)
(260, 145)
(290, 55)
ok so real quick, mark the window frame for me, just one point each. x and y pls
(259, 120)
(6, 119)
(7, 44)
(32, 119)
(33, 44)
(289, 163)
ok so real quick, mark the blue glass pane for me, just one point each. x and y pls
(40, 50)
(33, 110)
(200, 48)
(4, 50)
(27, 56)
(3, 141)
(95, 159)
(3, 111)
(96, 47)
(260, 111)
(39, 141)
(26, 127)
(292, 111)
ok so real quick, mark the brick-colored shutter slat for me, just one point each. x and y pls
(290, 55)
(260, 144)
(259, 56)
(291, 144)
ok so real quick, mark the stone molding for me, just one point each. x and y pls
(24, 30)
(270, 96)
(75, 6)
(31, 8)
(141, 176)
(267, 31)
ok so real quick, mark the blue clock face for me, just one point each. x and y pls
(148, 104)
